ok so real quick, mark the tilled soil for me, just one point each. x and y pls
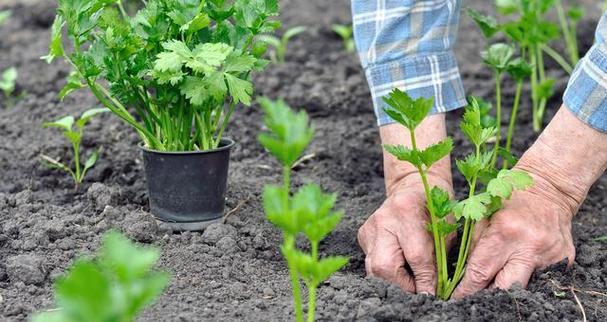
(234, 271)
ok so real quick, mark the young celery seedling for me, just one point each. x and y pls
(568, 21)
(346, 33)
(66, 124)
(280, 44)
(113, 287)
(410, 113)
(498, 56)
(308, 211)
(8, 81)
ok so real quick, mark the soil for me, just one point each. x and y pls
(234, 271)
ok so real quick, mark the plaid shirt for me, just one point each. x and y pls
(409, 44)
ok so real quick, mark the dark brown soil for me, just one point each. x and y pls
(234, 272)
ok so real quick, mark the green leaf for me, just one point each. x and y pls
(168, 62)
(507, 156)
(64, 123)
(240, 90)
(289, 132)
(497, 56)
(313, 209)
(345, 32)
(56, 43)
(443, 205)
(575, 13)
(292, 32)
(545, 89)
(404, 154)
(474, 208)
(507, 7)
(73, 84)
(519, 179)
(213, 54)
(405, 110)
(469, 167)
(216, 86)
(199, 22)
(601, 238)
(90, 162)
(276, 208)
(85, 294)
(56, 164)
(487, 24)
(88, 114)
(443, 227)
(125, 258)
(472, 126)
(436, 152)
(519, 69)
(239, 64)
(194, 90)
(499, 188)
(8, 81)
(329, 265)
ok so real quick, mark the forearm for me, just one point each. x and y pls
(569, 157)
(398, 173)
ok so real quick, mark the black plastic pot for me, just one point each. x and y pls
(186, 189)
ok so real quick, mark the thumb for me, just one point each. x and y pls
(516, 271)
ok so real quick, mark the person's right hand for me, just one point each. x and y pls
(395, 236)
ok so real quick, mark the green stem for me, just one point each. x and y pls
(224, 124)
(570, 40)
(289, 241)
(498, 117)
(534, 93)
(466, 238)
(513, 116)
(313, 285)
(440, 261)
(558, 58)
(76, 147)
(537, 125)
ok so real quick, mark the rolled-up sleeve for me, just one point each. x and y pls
(586, 93)
(408, 44)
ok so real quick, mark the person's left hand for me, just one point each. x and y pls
(532, 231)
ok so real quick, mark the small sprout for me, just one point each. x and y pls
(308, 212)
(497, 56)
(488, 24)
(280, 44)
(114, 286)
(346, 34)
(8, 81)
(74, 135)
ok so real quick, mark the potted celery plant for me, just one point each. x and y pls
(174, 71)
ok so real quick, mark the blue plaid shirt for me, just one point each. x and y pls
(409, 44)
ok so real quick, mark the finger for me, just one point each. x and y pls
(366, 235)
(386, 261)
(419, 254)
(484, 263)
(516, 271)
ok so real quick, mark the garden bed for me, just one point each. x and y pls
(234, 271)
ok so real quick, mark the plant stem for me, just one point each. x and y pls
(534, 94)
(558, 58)
(513, 115)
(76, 147)
(441, 263)
(570, 40)
(313, 285)
(289, 242)
(226, 119)
(498, 117)
(465, 242)
(537, 125)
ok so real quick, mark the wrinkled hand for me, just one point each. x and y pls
(396, 235)
(532, 231)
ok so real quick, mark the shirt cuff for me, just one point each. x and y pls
(586, 93)
(429, 76)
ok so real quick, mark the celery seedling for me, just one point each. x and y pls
(8, 81)
(174, 72)
(498, 56)
(308, 211)
(410, 113)
(568, 21)
(113, 287)
(280, 44)
(346, 34)
(74, 135)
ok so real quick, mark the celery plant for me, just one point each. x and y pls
(113, 287)
(410, 113)
(174, 72)
(308, 211)
(280, 44)
(74, 135)
(8, 81)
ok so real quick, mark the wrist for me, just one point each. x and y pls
(402, 175)
(566, 160)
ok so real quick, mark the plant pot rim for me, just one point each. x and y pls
(224, 144)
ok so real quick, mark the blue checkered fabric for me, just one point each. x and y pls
(586, 93)
(408, 44)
